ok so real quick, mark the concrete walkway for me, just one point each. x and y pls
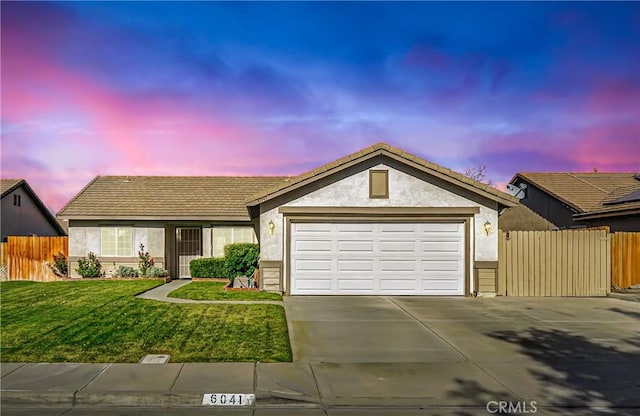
(161, 293)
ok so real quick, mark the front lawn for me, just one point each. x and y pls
(102, 321)
(213, 291)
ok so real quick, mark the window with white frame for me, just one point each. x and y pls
(117, 241)
(222, 236)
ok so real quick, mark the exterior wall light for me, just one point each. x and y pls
(487, 227)
(272, 227)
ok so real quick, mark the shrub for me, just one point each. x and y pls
(241, 259)
(155, 271)
(208, 267)
(89, 266)
(59, 266)
(145, 261)
(125, 271)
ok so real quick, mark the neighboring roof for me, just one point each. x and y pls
(382, 149)
(522, 218)
(167, 197)
(582, 191)
(9, 185)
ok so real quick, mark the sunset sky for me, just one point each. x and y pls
(206, 88)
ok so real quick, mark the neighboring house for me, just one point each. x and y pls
(521, 218)
(23, 213)
(377, 222)
(593, 199)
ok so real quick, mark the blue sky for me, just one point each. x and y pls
(209, 88)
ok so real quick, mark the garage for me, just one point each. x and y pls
(377, 258)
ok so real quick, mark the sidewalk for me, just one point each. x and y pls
(161, 293)
(453, 388)
(282, 385)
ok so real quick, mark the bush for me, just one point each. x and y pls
(156, 271)
(145, 261)
(125, 271)
(208, 267)
(241, 259)
(89, 266)
(59, 266)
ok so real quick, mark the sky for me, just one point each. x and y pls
(269, 88)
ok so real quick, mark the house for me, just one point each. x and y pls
(23, 213)
(591, 199)
(377, 222)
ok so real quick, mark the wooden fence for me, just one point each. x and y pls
(554, 263)
(3, 254)
(28, 258)
(625, 259)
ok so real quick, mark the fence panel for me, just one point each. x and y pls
(28, 258)
(625, 259)
(556, 263)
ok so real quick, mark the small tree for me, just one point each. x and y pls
(89, 266)
(478, 174)
(145, 261)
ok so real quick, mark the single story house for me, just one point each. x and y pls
(377, 222)
(579, 200)
(23, 213)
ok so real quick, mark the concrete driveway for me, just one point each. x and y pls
(558, 351)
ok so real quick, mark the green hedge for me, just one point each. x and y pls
(208, 267)
(241, 259)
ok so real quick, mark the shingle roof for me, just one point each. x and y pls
(583, 191)
(8, 184)
(167, 197)
(395, 153)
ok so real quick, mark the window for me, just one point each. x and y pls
(117, 241)
(16, 200)
(229, 235)
(379, 184)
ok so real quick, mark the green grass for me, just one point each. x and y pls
(102, 321)
(213, 291)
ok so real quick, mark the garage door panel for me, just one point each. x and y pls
(440, 228)
(314, 245)
(440, 284)
(398, 246)
(312, 228)
(398, 284)
(377, 258)
(397, 265)
(441, 247)
(314, 265)
(441, 265)
(356, 265)
(355, 284)
(365, 246)
(313, 284)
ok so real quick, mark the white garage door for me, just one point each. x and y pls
(377, 259)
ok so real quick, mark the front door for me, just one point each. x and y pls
(188, 247)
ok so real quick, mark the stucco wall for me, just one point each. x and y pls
(404, 191)
(85, 239)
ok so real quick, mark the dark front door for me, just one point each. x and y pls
(188, 247)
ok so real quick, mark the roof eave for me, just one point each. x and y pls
(183, 218)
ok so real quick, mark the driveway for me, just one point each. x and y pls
(559, 351)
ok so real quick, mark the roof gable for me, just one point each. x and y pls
(382, 149)
(9, 185)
